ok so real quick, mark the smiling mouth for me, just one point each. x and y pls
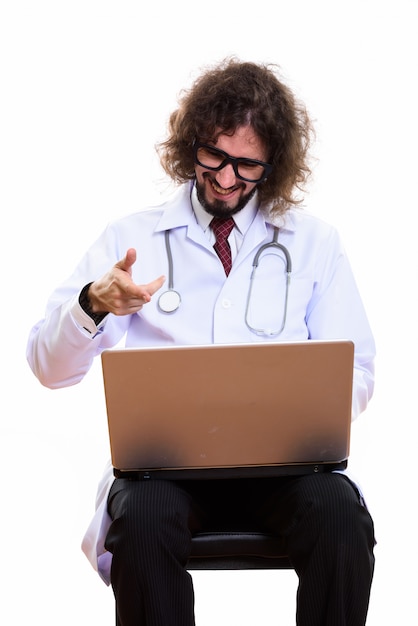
(221, 190)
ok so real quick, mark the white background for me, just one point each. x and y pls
(86, 88)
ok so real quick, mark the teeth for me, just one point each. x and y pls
(221, 190)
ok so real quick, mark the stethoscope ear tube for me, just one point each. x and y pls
(274, 244)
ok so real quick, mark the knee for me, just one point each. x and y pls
(148, 505)
(147, 518)
(336, 508)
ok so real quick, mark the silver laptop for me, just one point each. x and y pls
(229, 410)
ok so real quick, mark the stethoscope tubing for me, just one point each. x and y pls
(273, 244)
(170, 300)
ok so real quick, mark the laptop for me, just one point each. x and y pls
(229, 411)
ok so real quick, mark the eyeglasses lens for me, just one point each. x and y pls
(244, 168)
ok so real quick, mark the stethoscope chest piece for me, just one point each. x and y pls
(169, 301)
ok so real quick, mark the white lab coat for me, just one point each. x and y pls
(323, 303)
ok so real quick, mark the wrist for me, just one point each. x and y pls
(85, 304)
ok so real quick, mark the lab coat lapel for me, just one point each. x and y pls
(180, 213)
(177, 211)
(254, 237)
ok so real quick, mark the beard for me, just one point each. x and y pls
(219, 208)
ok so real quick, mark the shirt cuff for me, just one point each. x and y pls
(84, 321)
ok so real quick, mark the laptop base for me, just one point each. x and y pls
(219, 473)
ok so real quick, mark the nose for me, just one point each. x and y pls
(226, 176)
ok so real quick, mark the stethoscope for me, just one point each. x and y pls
(169, 301)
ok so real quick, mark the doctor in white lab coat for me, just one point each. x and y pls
(323, 301)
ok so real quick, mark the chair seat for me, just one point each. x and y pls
(236, 549)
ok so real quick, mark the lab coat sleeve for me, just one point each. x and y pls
(337, 312)
(61, 347)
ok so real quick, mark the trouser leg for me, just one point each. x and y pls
(330, 540)
(150, 542)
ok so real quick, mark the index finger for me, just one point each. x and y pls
(146, 291)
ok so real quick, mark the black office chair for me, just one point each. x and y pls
(237, 549)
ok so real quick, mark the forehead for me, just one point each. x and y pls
(244, 142)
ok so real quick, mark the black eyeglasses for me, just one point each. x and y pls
(212, 158)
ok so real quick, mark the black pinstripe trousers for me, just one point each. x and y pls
(328, 533)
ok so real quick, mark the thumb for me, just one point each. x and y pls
(128, 260)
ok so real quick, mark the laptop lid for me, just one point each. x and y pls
(229, 410)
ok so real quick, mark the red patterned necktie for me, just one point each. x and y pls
(222, 228)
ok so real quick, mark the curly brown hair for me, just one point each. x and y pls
(234, 94)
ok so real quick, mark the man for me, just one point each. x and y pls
(238, 145)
